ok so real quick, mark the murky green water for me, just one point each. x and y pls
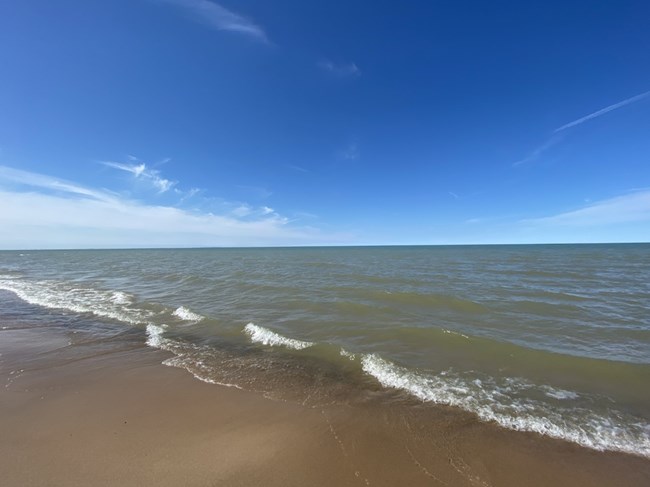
(553, 339)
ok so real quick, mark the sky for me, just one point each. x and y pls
(192, 123)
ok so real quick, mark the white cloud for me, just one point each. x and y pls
(342, 70)
(242, 211)
(221, 18)
(603, 111)
(40, 211)
(631, 207)
(141, 171)
(26, 178)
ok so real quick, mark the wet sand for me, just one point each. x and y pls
(107, 412)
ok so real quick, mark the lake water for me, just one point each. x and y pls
(553, 339)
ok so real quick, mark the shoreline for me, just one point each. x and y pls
(106, 412)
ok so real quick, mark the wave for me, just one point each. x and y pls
(61, 295)
(264, 336)
(185, 314)
(120, 297)
(116, 305)
(512, 403)
(155, 336)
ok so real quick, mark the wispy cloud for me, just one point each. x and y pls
(41, 211)
(142, 172)
(631, 207)
(453, 195)
(220, 18)
(535, 154)
(558, 137)
(297, 168)
(9, 175)
(351, 152)
(254, 192)
(345, 70)
(603, 111)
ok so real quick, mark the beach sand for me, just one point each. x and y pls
(106, 412)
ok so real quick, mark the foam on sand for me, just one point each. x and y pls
(264, 336)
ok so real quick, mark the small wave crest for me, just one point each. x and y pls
(450, 332)
(514, 404)
(264, 336)
(185, 314)
(120, 297)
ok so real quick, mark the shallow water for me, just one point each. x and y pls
(552, 339)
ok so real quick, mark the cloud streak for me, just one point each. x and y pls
(347, 70)
(535, 154)
(9, 175)
(603, 111)
(631, 207)
(141, 171)
(220, 18)
(41, 211)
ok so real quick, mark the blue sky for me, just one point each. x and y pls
(130, 123)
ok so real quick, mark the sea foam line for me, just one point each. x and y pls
(506, 403)
(60, 295)
(117, 305)
(265, 336)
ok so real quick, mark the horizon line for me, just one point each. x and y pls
(57, 249)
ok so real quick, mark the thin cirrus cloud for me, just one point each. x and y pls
(537, 152)
(351, 152)
(603, 111)
(41, 211)
(627, 208)
(220, 18)
(346, 70)
(142, 172)
(558, 137)
(20, 178)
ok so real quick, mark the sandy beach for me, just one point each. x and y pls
(106, 412)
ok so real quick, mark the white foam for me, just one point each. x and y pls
(180, 363)
(560, 394)
(61, 295)
(508, 402)
(345, 353)
(120, 297)
(185, 314)
(155, 336)
(264, 336)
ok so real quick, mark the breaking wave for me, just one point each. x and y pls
(185, 314)
(264, 336)
(519, 405)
